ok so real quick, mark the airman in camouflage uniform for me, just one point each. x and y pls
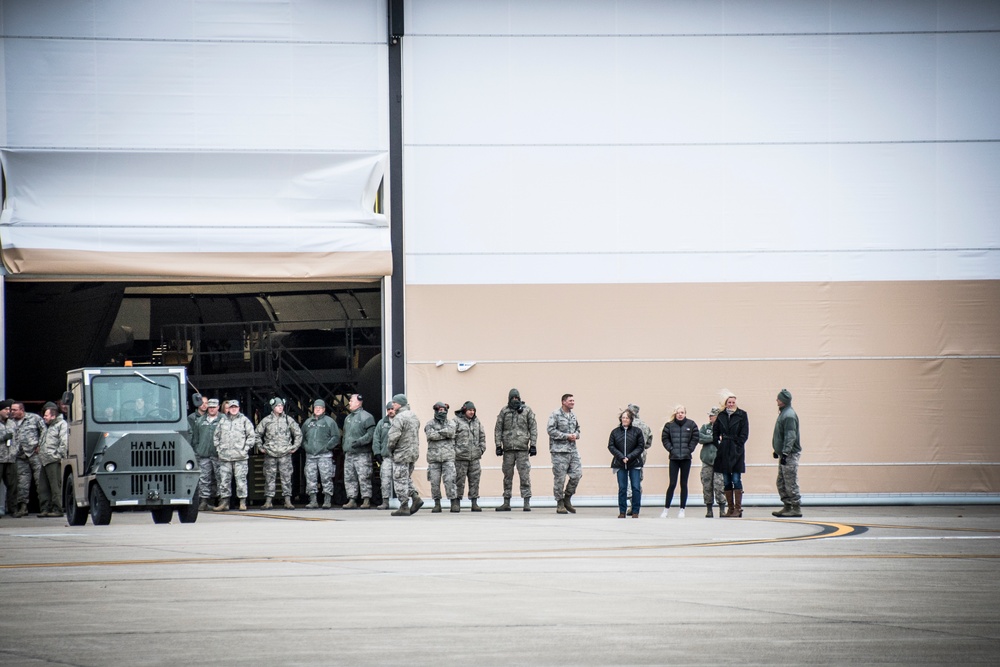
(470, 443)
(440, 434)
(647, 434)
(320, 436)
(516, 437)
(380, 450)
(28, 429)
(8, 457)
(787, 445)
(564, 432)
(403, 442)
(359, 427)
(53, 447)
(711, 481)
(234, 436)
(280, 436)
(203, 443)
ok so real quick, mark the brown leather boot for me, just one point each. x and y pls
(738, 498)
(729, 505)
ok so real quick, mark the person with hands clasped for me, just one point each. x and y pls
(626, 446)
(679, 438)
(564, 432)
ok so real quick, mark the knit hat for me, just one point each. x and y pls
(319, 403)
(439, 405)
(468, 405)
(785, 396)
(400, 399)
(388, 406)
(6, 403)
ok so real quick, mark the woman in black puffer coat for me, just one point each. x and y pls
(679, 438)
(626, 447)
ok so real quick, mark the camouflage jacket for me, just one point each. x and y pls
(8, 448)
(280, 435)
(440, 440)
(647, 435)
(54, 444)
(203, 435)
(358, 429)
(27, 434)
(320, 435)
(470, 438)
(234, 436)
(380, 445)
(516, 431)
(404, 436)
(561, 425)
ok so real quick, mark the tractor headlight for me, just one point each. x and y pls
(110, 466)
(189, 465)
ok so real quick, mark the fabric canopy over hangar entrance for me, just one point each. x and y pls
(83, 215)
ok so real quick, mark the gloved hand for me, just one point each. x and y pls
(783, 460)
(532, 450)
(774, 454)
(499, 450)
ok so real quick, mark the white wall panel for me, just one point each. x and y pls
(800, 140)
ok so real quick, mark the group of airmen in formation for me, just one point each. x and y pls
(222, 437)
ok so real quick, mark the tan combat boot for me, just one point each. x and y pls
(327, 501)
(288, 503)
(417, 502)
(243, 504)
(203, 505)
(383, 506)
(366, 504)
(404, 508)
(313, 503)
(223, 506)
(351, 505)
(268, 504)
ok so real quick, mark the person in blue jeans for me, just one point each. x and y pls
(626, 445)
(731, 431)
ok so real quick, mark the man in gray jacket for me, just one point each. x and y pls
(516, 437)
(403, 442)
(787, 449)
(359, 426)
(320, 436)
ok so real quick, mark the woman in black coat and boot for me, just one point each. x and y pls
(731, 431)
(626, 445)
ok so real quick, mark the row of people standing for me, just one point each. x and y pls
(223, 443)
(32, 448)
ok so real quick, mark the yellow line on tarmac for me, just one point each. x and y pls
(286, 517)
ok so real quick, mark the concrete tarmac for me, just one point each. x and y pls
(842, 585)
